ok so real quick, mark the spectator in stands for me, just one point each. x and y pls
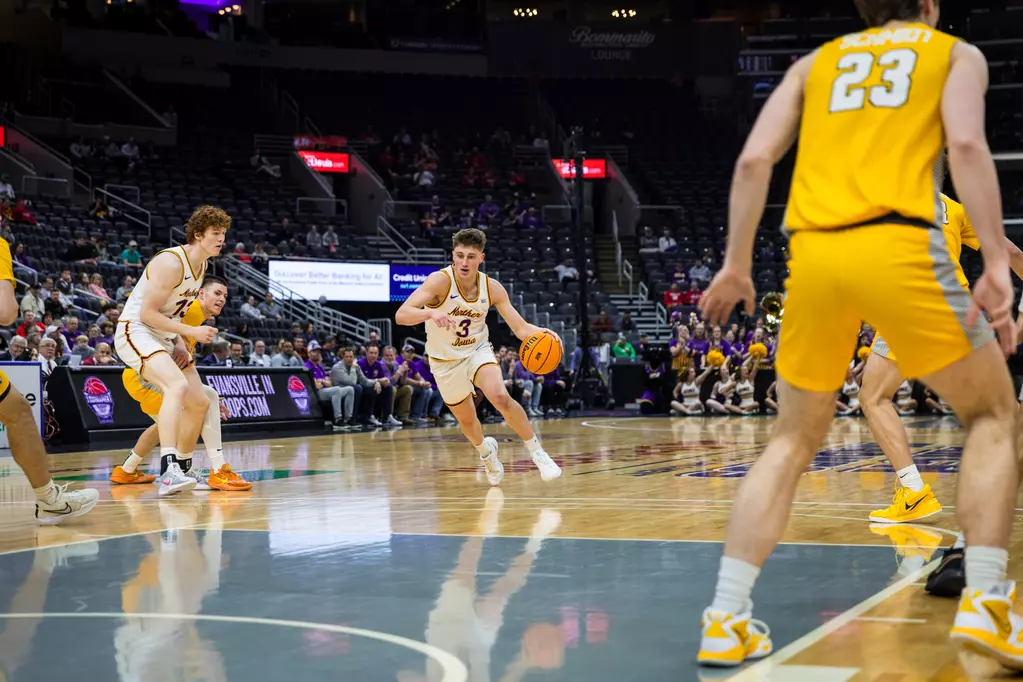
(330, 239)
(106, 334)
(700, 274)
(488, 211)
(102, 356)
(93, 333)
(130, 151)
(623, 349)
(127, 286)
(673, 298)
(97, 209)
(325, 389)
(70, 331)
(80, 149)
(375, 369)
(249, 309)
(269, 308)
(398, 372)
(21, 214)
(434, 401)
(648, 241)
(32, 301)
(217, 356)
(131, 257)
(29, 323)
(602, 324)
(259, 257)
(6, 189)
(693, 295)
(667, 243)
(54, 306)
(48, 357)
(531, 219)
(240, 253)
(300, 346)
(20, 257)
(626, 324)
(555, 393)
(81, 252)
(259, 358)
(314, 240)
(236, 358)
(567, 272)
(47, 287)
(65, 285)
(364, 390)
(17, 350)
(111, 313)
(261, 164)
(82, 347)
(287, 357)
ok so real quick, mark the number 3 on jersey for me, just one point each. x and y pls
(848, 93)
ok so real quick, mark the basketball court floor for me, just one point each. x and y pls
(386, 556)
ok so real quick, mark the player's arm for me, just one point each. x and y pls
(9, 308)
(431, 292)
(520, 328)
(772, 136)
(1015, 257)
(163, 274)
(973, 169)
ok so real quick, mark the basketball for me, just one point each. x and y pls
(540, 353)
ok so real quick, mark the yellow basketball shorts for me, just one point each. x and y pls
(901, 279)
(149, 397)
(5, 385)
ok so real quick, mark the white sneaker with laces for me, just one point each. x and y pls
(549, 470)
(174, 481)
(374, 421)
(67, 505)
(200, 478)
(391, 421)
(492, 465)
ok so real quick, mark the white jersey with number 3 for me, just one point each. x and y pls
(469, 320)
(177, 303)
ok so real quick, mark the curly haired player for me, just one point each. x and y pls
(150, 330)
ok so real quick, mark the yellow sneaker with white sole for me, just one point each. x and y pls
(730, 640)
(908, 506)
(985, 625)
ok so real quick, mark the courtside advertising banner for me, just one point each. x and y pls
(352, 282)
(27, 377)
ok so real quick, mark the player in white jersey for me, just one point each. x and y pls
(453, 303)
(150, 340)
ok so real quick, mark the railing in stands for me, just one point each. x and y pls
(405, 210)
(627, 272)
(127, 209)
(32, 185)
(562, 213)
(410, 253)
(111, 186)
(384, 325)
(618, 245)
(644, 292)
(661, 315)
(296, 307)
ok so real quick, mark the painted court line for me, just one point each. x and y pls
(762, 670)
(880, 619)
(453, 669)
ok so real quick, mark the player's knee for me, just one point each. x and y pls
(501, 401)
(15, 411)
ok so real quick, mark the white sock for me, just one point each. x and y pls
(131, 463)
(533, 445)
(735, 583)
(985, 567)
(910, 478)
(483, 449)
(48, 493)
(211, 436)
(216, 458)
(960, 541)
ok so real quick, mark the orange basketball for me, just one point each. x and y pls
(540, 353)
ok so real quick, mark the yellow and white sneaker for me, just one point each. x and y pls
(908, 506)
(729, 640)
(986, 625)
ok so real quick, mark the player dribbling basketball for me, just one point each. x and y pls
(454, 303)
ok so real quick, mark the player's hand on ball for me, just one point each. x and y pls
(729, 287)
(204, 334)
(555, 335)
(440, 319)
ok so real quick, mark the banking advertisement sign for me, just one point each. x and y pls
(353, 282)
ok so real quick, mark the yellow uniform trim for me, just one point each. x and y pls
(446, 294)
(176, 255)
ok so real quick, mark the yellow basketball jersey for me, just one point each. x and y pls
(6, 262)
(871, 130)
(194, 317)
(958, 233)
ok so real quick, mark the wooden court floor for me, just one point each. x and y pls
(648, 497)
